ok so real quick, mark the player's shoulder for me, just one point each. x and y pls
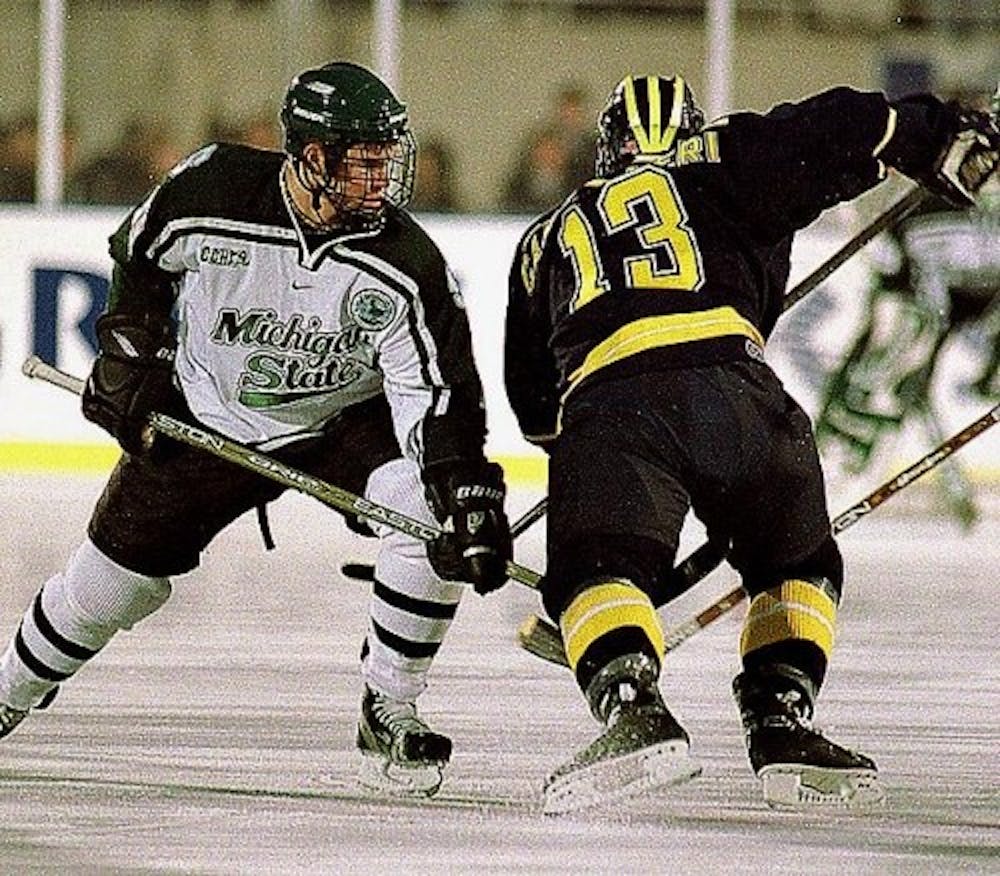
(535, 234)
(224, 180)
(529, 252)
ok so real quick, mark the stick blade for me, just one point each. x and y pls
(542, 639)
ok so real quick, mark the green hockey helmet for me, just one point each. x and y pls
(341, 105)
(644, 117)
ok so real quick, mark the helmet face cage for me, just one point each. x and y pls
(352, 173)
(343, 105)
(644, 116)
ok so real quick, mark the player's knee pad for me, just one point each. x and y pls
(792, 615)
(397, 484)
(607, 619)
(402, 559)
(104, 596)
(825, 562)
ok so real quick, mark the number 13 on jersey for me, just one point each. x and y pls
(663, 253)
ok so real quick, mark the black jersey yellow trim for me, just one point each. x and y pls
(666, 330)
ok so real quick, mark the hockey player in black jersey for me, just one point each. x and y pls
(288, 301)
(638, 314)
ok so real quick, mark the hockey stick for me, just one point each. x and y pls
(544, 640)
(525, 521)
(262, 464)
(896, 213)
(366, 571)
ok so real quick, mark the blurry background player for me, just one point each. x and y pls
(935, 283)
(316, 321)
(637, 318)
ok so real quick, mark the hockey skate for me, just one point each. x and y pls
(799, 768)
(400, 754)
(642, 746)
(10, 717)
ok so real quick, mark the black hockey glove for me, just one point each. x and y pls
(467, 499)
(132, 377)
(969, 159)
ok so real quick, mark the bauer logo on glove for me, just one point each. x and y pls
(478, 491)
(475, 543)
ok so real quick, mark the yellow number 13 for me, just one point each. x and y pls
(669, 259)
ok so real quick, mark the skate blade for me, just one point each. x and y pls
(803, 788)
(614, 778)
(379, 774)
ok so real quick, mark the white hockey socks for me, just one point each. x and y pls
(73, 616)
(411, 608)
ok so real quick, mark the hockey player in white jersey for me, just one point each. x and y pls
(289, 302)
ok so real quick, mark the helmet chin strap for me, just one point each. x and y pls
(318, 184)
(316, 193)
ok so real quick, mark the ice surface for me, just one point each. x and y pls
(217, 737)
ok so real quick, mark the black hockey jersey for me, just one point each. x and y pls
(279, 330)
(683, 260)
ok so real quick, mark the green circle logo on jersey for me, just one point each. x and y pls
(372, 309)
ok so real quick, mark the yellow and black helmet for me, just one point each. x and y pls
(644, 116)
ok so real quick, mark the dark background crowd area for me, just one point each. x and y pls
(554, 157)
(123, 173)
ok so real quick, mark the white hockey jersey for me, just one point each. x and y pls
(280, 330)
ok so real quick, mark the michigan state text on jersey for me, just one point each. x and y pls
(286, 300)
